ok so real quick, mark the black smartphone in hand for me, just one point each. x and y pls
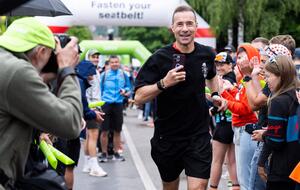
(178, 59)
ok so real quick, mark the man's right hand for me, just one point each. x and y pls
(99, 116)
(67, 56)
(174, 76)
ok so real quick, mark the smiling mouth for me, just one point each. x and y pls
(184, 35)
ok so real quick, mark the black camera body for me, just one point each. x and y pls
(52, 66)
(64, 39)
(214, 110)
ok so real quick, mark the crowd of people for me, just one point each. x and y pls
(239, 107)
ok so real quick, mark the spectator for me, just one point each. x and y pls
(282, 134)
(115, 86)
(230, 49)
(242, 115)
(222, 143)
(85, 72)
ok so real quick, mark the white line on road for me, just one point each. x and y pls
(138, 161)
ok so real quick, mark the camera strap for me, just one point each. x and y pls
(62, 74)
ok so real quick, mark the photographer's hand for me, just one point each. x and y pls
(174, 76)
(67, 56)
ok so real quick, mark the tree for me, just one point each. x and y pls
(152, 37)
(81, 32)
(258, 17)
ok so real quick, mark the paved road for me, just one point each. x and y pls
(138, 172)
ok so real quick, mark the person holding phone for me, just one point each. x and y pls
(175, 76)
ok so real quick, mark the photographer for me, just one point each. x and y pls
(26, 102)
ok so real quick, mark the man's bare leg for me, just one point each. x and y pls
(194, 183)
(173, 185)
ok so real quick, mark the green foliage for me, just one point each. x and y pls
(81, 32)
(261, 17)
(152, 37)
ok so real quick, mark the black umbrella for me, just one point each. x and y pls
(41, 8)
(7, 5)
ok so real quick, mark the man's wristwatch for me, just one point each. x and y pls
(160, 85)
(247, 79)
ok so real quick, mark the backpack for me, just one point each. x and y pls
(103, 80)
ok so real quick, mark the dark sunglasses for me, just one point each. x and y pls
(273, 60)
(269, 49)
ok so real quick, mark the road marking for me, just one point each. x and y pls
(148, 184)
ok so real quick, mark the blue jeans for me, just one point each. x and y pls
(244, 151)
(256, 183)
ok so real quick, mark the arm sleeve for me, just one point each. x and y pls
(266, 91)
(240, 107)
(211, 67)
(148, 74)
(87, 112)
(277, 123)
(127, 84)
(30, 101)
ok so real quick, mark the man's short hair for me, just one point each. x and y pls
(183, 8)
(285, 40)
(263, 40)
(113, 57)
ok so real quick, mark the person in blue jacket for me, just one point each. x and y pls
(85, 73)
(115, 86)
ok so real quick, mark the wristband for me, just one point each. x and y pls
(247, 79)
(160, 85)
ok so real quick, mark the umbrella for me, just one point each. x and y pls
(7, 5)
(41, 8)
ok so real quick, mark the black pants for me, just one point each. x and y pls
(282, 185)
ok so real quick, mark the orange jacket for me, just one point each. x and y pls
(239, 106)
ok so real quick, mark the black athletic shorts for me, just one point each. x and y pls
(113, 118)
(193, 155)
(92, 124)
(71, 148)
(223, 133)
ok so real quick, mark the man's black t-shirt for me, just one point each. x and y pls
(181, 110)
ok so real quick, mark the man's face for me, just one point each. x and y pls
(41, 57)
(114, 63)
(184, 27)
(94, 59)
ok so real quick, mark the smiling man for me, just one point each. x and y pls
(175, 76)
